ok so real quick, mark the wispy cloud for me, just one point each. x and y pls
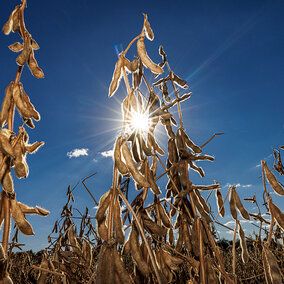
(238, 185)
(107, 154)
(78, 152)
(266, 158)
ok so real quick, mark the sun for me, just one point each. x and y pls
(140, 121)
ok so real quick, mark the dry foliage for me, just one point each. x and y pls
(152, 252)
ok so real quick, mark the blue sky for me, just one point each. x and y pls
(231, 52)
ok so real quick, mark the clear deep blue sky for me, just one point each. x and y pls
(231, 52)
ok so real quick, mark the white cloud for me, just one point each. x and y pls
(238, 185)
(266, 158)
(95, 160)
(106, 154)
(78, 152)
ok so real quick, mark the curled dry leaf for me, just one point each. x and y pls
(275, 184)
(16, 47)
(156, 69)
(115, 77)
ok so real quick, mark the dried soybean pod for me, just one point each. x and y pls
(116, 77)
(73, 241)
(153, 228)
(277, 213)
(23, 110)
(171, 236)
(27, 48)
(134, 149)
(172, 150)
(33, 210)
(19, 218)
(156, 147)
(136, 252)
(147, 151)
(164, 216)
(117, 157)
(103, 205)
(197, 169)
(154, 166)
(87, 253)
(119, 268)
(141, 50)
(273, 268)
(117, 223)
(220, 203)
(43, 275)
(243, 244)
(180, 238)
(32, 148)
(178, 81)
(232, 202)
(126, 247)
(103, 229)
(7, 28)
(240, 206)
(5, 145)
(202, 201)
(7, 181)
(182, 173)
(275, 184)
(30, 106)
(151, 180)
(140, 179)
(172, 261)
(209, 271)
(21, 167)
(189, 143)
(109, 266)
(148, 31)
(16, 47)
(6, 104)
(186, 237)
(34, 68)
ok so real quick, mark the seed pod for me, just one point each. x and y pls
(277, 213)
(156, 69)
(117, 157)
(178, 81)
(240, 206)
(153, 228)
(202, 201)
(126, 247)
(243, 244)
(103, 205)
(6, 104)
(200, 208)
(30, 106)
(109, 266)
(166, 276)
(7, 181)
(27, 48)
(8, 27)
(103, 229)
(43, 274)
(172, 150)
(164, 216)
(136, 252)
(151, 180)
(210, 271)
(189, 143)
(171, 236)
(232, 202)
(180, 238)
(131, 66)
(147, 29)
(140, 179)
(33, 148)
(186, 237)
(21, 107)
(220, 203)
(116, 77)
(5, 145)
(270, 261)
(34, 68)
(19, 218)
(119, 268)
(87, 253)
(172, 261)
(275, 184)
(73, 241)
(154, 166)
(135, 150)
(16, 47)
(182, 173)
(21, 168)
(147, 151)
(33, 210)
(117, 223)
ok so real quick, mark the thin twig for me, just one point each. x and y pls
(215, 134)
